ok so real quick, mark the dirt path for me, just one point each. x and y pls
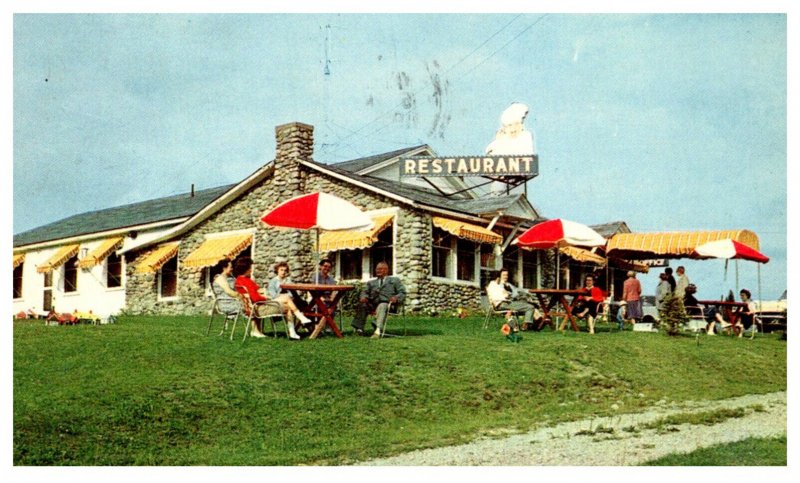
(628, 439)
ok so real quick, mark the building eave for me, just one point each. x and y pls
(125, 231)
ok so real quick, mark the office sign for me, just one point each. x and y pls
(492, 166)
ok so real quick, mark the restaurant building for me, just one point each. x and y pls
(442, 235)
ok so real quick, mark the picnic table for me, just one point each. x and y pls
(557, 296)
(321, 309)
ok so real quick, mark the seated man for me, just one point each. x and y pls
(588, 303)
(504, 296)
(377, 294)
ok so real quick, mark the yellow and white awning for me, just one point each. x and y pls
(467, 231)
(18, 259)
(212, 250)
(331, 241)
(640, 246)
(59, 258)
(582, 255)
(157, 258)
(101, 252)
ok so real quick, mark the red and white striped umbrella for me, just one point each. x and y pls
(319, 211)
(728, 248)
(559, 233)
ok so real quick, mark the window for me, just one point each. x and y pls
(530, 269)
(113, 271)
(210, 272)
(487, 264)
(71, 275)
(47, 293)
(18, 281)
(442, 255)
(350, 264)
(168, 279)
(382, 250)
(511, 263)
(465, 254)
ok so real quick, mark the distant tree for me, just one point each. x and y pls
(673, 315)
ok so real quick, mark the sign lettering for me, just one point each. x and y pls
(505, 165)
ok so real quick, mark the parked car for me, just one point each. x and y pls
(649, 310)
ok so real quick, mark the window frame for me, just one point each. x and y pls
(70, 275)
(160, 280)
(120, 276)
(17, 284)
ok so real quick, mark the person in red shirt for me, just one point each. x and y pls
(242, 270)
(587, 304)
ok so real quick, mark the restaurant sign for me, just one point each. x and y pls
(491, 166)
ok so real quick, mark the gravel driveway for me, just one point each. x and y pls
(627, 439)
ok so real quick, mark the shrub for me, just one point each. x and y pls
(673, 315)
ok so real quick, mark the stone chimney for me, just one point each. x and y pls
(294, 143)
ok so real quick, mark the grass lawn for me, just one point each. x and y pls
(157, 391)
(749, 452)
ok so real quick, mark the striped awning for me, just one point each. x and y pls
(641, 246)
(212, 250)
(157, 258)
(62, 255)
(331, 241)
(582, 255)
(18, 259)
(467, 231)
(101, 252)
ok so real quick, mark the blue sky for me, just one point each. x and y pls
(668, 122)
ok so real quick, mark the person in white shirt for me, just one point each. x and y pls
(504, 296)
(681, 283)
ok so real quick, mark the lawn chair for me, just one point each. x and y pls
(396, 310)
(697, 321)
(250, 309)
(227, 317)
(604, 315)
(491, 312)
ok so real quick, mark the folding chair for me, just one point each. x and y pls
(215, 310)
(697, 321)
(397, 310)
(250, 309)
(604, 315)
(490, 312)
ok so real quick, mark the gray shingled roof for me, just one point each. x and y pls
(607, 230)
(161, 209)
(355, 165)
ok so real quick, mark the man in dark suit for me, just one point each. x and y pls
(377, 294)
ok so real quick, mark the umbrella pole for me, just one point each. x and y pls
(759, 288)
(736, 270)
(558, 267)
(316, 259)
